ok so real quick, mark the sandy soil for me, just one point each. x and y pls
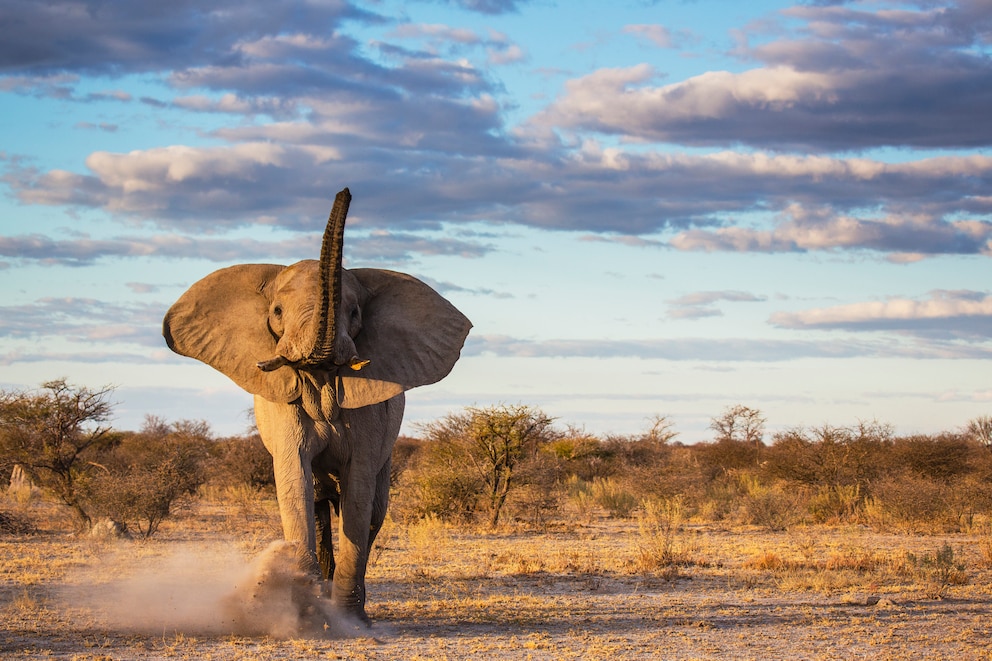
(588, 592)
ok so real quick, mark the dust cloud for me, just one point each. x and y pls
(212, 591)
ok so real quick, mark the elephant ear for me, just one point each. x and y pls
(411, 335)
(222, 320)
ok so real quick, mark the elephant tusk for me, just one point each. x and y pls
(357, 364)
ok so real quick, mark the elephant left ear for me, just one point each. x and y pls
(411, 335)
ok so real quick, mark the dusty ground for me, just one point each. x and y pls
(604, 589)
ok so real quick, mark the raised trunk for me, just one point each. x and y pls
(331, 252)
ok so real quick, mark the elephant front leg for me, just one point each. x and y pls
(296, 509)
(284, 437)
(348, 583)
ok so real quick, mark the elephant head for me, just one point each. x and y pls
(361, 336)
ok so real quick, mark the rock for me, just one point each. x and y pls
(108, 529)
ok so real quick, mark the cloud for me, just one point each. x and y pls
(142, 287)
(702, 304)
(396, 248)
(944, 314)
(819, 202)
(85, 251)
(498, 48)
(723, 350)
(126, 36)
(103, 126)
(447, 288)
(659, 35)
(904, 237)
(855, 80)
(84, 320)
(492, 7)
(419, 134)
(233, 104)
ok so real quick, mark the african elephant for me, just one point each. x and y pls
(328, 353)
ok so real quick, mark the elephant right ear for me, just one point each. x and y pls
(222, 320)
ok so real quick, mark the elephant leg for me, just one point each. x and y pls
(348, 586)
(284, 436)
(325, 547)
(380, 503)
(364, 495)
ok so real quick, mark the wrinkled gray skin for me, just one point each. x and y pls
(328, 408)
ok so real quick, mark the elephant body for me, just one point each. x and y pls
(326, 465)
(328, 353)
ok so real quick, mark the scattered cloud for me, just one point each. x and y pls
(724, 350)
(84, 320)
(492, 7)
(319, 112)
(904, 237)
(854, 80)
(698, 305)
(124, 37)
(89, 126)
(959, 314)
(930, 206)
(447, 288)
(383, 247)
(143, 287)
(660, 36)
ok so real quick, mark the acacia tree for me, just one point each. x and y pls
(739, 423)
(980, 429)
(494, 441)
(49, 433)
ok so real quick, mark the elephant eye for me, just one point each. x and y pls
(277, 310)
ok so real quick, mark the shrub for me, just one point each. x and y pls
(13, 523)
(612, 497)
(439, 489)
(406, 452)
(240, 460)
(727, 455)
(937, 571)
(830, 456)
(661, 543)
(911, 503)
(775, 507)
(836, 504)
(148, 472)
(942, 457)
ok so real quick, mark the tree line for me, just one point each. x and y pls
(487, 465)
(58, 438)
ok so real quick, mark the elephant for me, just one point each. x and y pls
(328, 354)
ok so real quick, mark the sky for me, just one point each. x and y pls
(646, 208)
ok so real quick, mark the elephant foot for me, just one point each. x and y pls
(351, 604)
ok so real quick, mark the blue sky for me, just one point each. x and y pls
(645, 207)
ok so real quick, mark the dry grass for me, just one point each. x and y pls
(652, 586)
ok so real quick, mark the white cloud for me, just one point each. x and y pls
(840, 82)
(659, 35)
(943, 313)
(906, 237)
(701, 304)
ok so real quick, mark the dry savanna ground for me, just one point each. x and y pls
(648, 587)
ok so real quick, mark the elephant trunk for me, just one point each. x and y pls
(331, 252)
